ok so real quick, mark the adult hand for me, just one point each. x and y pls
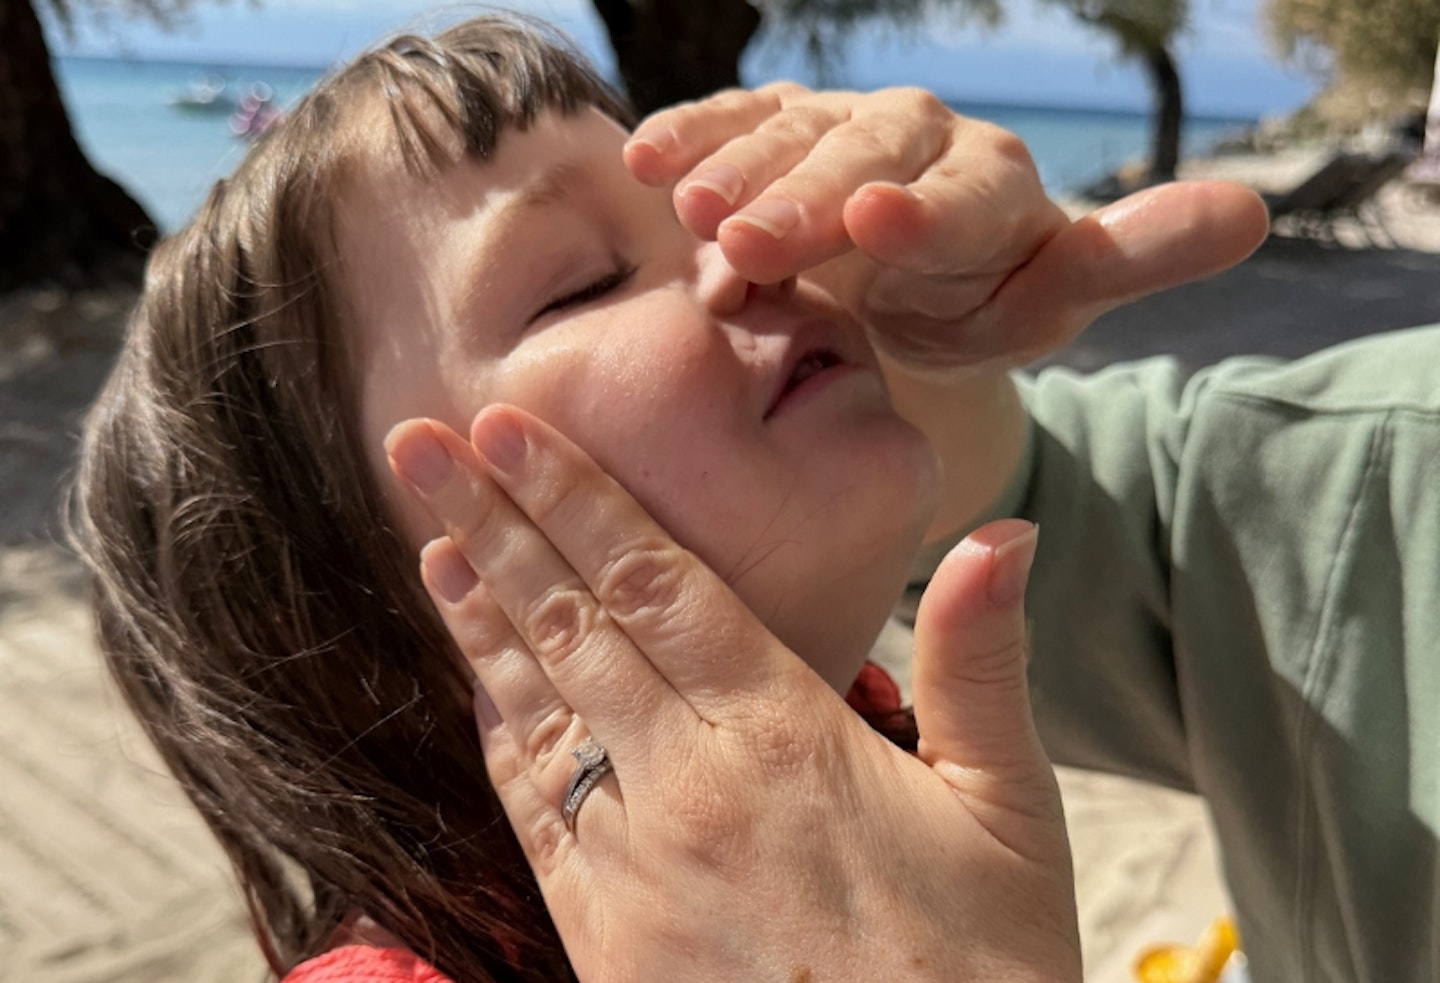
(933, 229)
(753, 826)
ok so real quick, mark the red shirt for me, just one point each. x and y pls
(366, 964)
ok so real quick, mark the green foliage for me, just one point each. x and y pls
(166, 13)
(824, 24)
(1390, 42)
(844, 14)
(1138, 26)
(1143, 29)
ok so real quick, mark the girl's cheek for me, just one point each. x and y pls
(630, 375)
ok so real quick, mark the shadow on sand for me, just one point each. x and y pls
(1292, 297)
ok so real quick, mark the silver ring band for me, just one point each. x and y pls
(593, 764)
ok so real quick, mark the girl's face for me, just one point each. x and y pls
(752, 422)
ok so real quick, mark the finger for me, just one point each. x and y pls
(748, 165)
(541, 723)
(526, 732)
(680, 615)
(972, 703)
(553, 613)
(1162, 237)
(1150, 241)
(979, 208)
(797, 218)
(563, 861)
(668, 144)
(534, 815)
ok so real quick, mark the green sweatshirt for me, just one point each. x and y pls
(1238, 593)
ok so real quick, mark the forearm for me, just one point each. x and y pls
(978, 426)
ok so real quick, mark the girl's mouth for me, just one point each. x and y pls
(811, 364)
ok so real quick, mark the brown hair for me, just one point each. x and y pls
(261, 617)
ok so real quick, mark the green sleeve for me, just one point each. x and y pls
(1238, 593)
(1103, 462)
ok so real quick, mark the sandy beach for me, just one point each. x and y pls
(105, 875)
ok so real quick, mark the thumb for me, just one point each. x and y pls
(1153, 240)
(972, 703)
(1165, 236)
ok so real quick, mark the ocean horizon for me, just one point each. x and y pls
(169, 157)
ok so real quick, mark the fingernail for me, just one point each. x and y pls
(661, 141)
(486, 712)
(421, 460)
(1010, 567)
(500, 441)
(448, 571)
(773, 216)
(722, 180)
(910, 194)
(892, 188)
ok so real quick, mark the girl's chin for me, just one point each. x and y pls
(832, 613)
(838, 650)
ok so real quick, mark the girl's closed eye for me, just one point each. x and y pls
(592, 291)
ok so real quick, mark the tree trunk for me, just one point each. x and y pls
(1169, 114)
(673, 50)
(1432, 115)
(60, 221)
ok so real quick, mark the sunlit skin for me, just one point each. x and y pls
(631, 334)
(551, 279)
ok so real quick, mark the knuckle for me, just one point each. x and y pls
(711, 825)
(968, 186)
(777, 743)
(783, 89)
(798, 124)
(644, 581)
(550, 737)
(925, 104)
(545, 843)
(884, 143)
(508, 772)
(979, 196)
(1008, 146)
(478, 627)
(730, 97)
(782, 751)
(559, 623)
(723, 101)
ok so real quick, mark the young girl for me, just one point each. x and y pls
(410, 241)
(453, 223)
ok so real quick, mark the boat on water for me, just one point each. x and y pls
(211, 94)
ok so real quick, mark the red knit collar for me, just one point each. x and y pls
(874, 692)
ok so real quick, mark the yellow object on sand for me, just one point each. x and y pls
(1183, 964)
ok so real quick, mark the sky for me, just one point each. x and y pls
(1039, 55)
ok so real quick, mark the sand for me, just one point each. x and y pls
(105, 874)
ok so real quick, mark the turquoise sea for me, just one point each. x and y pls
(169, 158)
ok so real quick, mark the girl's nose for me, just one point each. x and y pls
(725, 292)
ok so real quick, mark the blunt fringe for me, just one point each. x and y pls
(259, 613)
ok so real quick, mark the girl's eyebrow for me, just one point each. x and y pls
(555, 185)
